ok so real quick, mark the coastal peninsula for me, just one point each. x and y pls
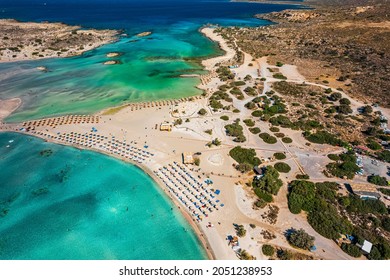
(30, 40)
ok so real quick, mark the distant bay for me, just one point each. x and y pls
(85, 85)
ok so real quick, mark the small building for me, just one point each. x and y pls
(258, 170)
(188, 158)
(366, 191)
(367, 246)
(166, 126)
(361, 149)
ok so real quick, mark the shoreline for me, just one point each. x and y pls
(8, 106)
(209, 65)
(198, 231)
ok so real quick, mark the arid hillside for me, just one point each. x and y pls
(342, 43)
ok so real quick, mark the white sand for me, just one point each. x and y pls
(8, 106)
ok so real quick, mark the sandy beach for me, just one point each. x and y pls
(8, 106)
(125, 133)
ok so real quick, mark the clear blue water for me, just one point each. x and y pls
(82, 205)
(151, 66)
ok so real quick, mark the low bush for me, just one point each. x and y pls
(282, 167)
(255, 130)
(268, 138)
(279, 156)
(268, 250)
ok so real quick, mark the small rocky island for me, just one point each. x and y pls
(144, 34)
(29, 40)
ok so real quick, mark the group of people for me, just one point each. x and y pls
(193, 194)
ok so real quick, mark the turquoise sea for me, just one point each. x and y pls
(151, 66)
(59, 202)
(62, 203)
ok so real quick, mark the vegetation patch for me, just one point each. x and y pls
(268, 250)
(279, 76)
(235, 130)
(345, 167)
(224, 118)
(324, 137)
(245, 156)
(301, 239)
(269, 183)
(287, 140)
(279, 156)
(268, 138)
(255, 130)
(377, 180)
(282, 167)
(249, 122)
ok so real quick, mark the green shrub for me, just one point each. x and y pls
(224, 73)
(279, 156)
(268, 138)
(301, 239)
(335, 96)
(268, 250)
(282, 167)
(240, 230)
(351, 250)
(257, 113)
(251, 105)
(377, 180)
(263, 195)
(270, 182)
(302, 177)
(345, 101)
(238, 83)
(242, 155)
(282, 121)
(346, 167)
(215, 104)
(250, 91)
(235, 130)
(274, 129)
(384, 156)
(255, 130)
(279, 76)
(225, 118)
(287, 140)
(386, 223)
(374, 145)
(249, 122)
(369, 206)
(202, 112)
(261, 203)
(385, 191)
(324, 137)
(333, 157)
(178, 122)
